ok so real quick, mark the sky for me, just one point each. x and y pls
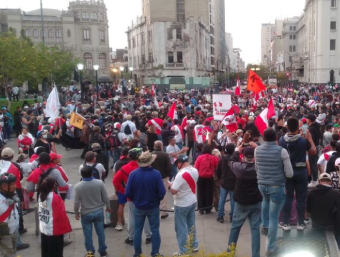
(243, 19)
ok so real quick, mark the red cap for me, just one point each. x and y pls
(55, 156)
(198, 113)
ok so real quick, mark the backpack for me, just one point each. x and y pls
(95, 172)
(113, 140)
(94, 138)
(127, 130)
(41, 179)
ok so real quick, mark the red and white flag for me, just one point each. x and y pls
(229, 120)
(153, 89)
(261, 121)
(238, 88)
(173, 112)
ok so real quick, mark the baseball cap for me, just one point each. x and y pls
(7, 152)
(248, 152)
(54, 156)
(304, 120)
(311, 117)
(89, 156)
(181, 159)
(117, 125)
(325, 176)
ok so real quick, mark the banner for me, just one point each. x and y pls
(77, 120)
(52, 104)
(221, 105)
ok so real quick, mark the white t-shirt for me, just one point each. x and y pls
(185, 196)
(15, 90)
(172, 149)
(323, 159)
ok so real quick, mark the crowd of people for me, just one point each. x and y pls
(189, 157)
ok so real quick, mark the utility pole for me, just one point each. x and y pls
(42, 23)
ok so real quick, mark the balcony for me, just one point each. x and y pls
(174, 65)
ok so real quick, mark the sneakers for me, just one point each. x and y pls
(103, 254)
(312, 184)
(119, 227)
(89, 254)
(128, 241)
(264, 231)
(306, 221)
(220, 219)
(22, 247)
(148, 240)
(165, 216)
(285, 227)
(301, 227)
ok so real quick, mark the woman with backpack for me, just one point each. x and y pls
(206, 165)
(54, 222)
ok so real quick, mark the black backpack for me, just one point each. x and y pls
(41, 179)
(127, 130)
(113, 140)
(95, 172)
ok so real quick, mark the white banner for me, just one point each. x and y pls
(52, 104)
(221, 105)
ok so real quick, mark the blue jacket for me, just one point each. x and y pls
(145, 188)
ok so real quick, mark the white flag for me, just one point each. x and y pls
(52, 104)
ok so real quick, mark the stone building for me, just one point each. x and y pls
(82, 29)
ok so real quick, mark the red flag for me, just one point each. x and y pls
(238, 88)
(229, 120)
(173, 111)
(255, 83)
(271, 109)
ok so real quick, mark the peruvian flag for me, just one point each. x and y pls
(173, 112)
(238, 87)
(153, 89)
(229, 120)
(261, 121)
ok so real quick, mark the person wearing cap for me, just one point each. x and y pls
(183, 188)
(323, 206)
(90, 196)
(273, 166)
(163, 164)
(247, 197)
(296, 146)
(91, 161)
(128, 127)
(9, 208)
(145, 189)
(314, 130)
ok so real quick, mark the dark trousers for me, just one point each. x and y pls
(86, 149)
(191, 147)
(15, 97)
(18, 128)
(205, 190)
(313, 162)
(52, 246)
(298, 184)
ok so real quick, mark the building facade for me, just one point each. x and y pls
(82, 29)
(177, 38)
(267, 33)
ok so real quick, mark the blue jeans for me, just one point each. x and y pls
(184, 225)
(223, 196)
(97, 219)
(180, 145)
(298, 184)
(272, 203)
(241, 213)
(153, 217)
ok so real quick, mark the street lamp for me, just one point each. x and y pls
(96, 67)
(131, 69)
(80, 67)
(121, 70)
(114, 70)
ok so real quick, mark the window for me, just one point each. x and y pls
(58, 33)
(50, 33)
(292, 49)
(42, 33)
(212, 51)
(76, 16)
(179, 33)
(333, 24)
(94, 17)
(143, 58)
(179, 57)
(333, 3)
(142, 38)
(134, 42)
(69, 33)
(101, 17)
(102, 61)
(331, 76)
(292, 37)
(35, 33)
(290, 28)
(86, 35)
(85, 16)
(170, 57)
(294, 28)
(212, 40)
(150, 58)
(27, 33)
(169, 32)
(180, 17)
(180, 10)
(102, 35)
(332, 44)
(88, 61)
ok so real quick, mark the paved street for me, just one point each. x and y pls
(212, 235)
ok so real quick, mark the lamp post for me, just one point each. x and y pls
(131, 70)
(96, 67)
(80, 67)
(121, 71)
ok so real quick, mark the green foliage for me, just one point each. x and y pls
(21, 61)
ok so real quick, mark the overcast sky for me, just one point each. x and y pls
(243, 19)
